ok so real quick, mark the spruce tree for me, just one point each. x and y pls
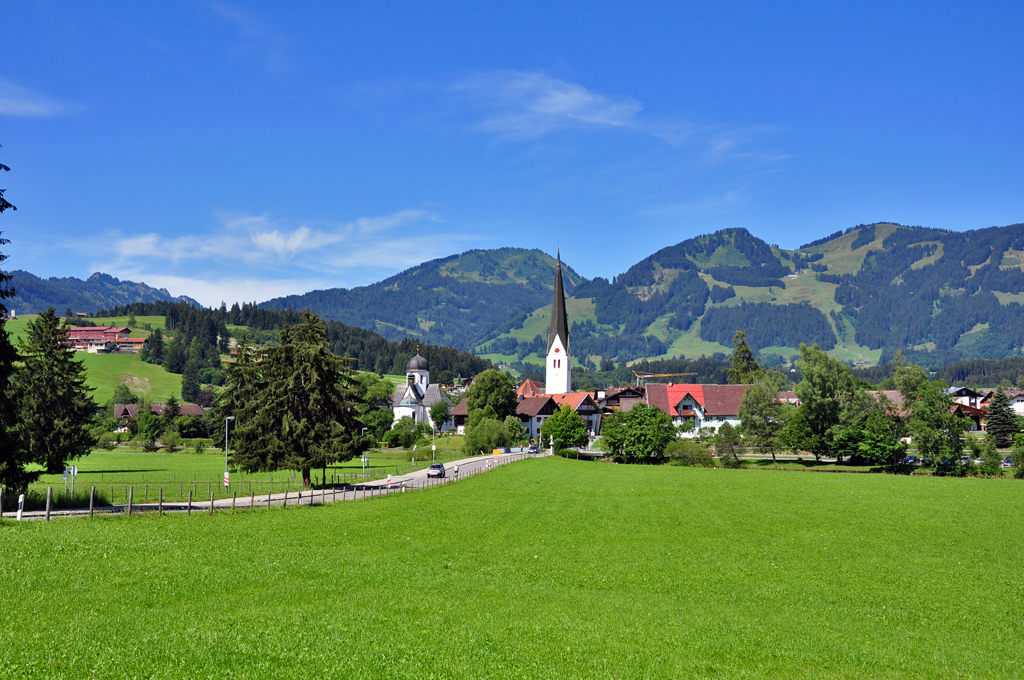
(296, 405)
(12, 455)
(745, 369)
(190, 383)
(1002, 422)
(155, 347)
(54, 406)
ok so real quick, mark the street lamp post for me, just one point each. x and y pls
(363, 434)
(226, 480)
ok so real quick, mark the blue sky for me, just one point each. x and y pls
(242, 151)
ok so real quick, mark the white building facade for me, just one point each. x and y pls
(417, 395)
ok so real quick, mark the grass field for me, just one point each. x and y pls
(546, 568)
(113, 472)
(107, 371)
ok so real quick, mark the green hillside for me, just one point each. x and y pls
(99, 291)
(457, 301)
(861, 294)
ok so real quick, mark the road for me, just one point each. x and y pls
(468, 467)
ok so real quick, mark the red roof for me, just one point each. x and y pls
(530, 388)
(461, 409)
(716, 400)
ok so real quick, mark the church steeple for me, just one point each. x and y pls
(558, 373)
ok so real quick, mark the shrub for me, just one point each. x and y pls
(171, 440)
(108, 441)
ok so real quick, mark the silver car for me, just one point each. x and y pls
(435, 470)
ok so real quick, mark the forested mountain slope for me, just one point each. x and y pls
(459, 300)
(861, 294)
(99, 291)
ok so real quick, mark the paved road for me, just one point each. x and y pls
(468, 467)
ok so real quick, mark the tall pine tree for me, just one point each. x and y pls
(55, 407)
(12, 456)
(190, 383)
(295, 405)
(745, 369)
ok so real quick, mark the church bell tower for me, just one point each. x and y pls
(558, 373)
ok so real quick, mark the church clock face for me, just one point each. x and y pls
(557, 350)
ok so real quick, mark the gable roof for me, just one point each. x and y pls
(723, 400)
(461, 409)
(535, 406)
(574, 399)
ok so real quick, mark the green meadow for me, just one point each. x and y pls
(544, 568)
(178, 473)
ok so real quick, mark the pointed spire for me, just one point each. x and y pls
(559, 319)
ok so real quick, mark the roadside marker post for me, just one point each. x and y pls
(21, 505)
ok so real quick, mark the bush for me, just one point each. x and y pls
(171, 440)
(108, 441)
(688, 453)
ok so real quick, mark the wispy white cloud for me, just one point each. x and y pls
(524, 104)
(256, 37)
(16, 100)
(527, 105)
(257, 257)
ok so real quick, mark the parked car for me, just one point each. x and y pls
(435, 470)
(1008, 462)
(911, 460)
(926, 461)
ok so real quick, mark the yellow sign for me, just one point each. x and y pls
(496, 452)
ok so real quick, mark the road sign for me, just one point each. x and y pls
(227, 483)
(389, 481)
(74, 470)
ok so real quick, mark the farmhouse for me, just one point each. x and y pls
(96, 339)
(127, 412)
(703, 405)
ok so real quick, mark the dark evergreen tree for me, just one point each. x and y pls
(13, 457)
(1002, 422)
(745, 370)
(172, 409)
(296, 405)
(190, 383)
(155, 347)
(54, 406)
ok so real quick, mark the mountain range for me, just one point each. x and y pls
(100, 291)
(863, 293)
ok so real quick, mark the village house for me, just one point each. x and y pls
(418, 394)
(706, 406)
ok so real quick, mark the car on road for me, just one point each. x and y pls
(435, 470)
(911, 460)
(1008, 462)
(532, 449)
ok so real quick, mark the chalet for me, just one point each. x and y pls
(128, 412)
(704, 405)
(619, 400)
(96, 338)
(585, 407)
(533, 411)
(459, 416)
(966, 396)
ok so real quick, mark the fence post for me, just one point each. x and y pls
(1, 501)
(268, 500)
(49, 499)
(92, 500)
(160, 504)
(252, 501)
(131, 495)
(233, 500)
(145, 493)
(286, 498)
(188, 510)
(211, 500)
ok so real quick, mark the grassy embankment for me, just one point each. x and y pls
(546, 568)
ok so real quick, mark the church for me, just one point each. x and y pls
(417, 395)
